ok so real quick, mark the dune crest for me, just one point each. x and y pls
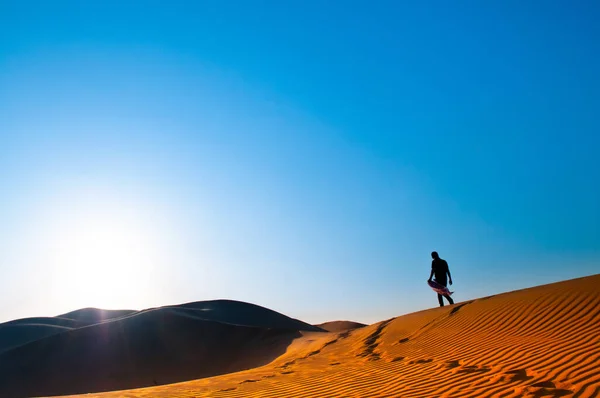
(340, 326)
(536, 342)
(22, 331)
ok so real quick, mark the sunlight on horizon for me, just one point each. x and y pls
(99, 249)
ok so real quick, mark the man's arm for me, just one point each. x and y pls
(449, 276)
(430, 275)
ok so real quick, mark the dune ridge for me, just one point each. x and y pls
(19, 332)
(340, 326)
(91, 316)
(537, 342)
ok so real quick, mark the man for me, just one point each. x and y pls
(440, 269)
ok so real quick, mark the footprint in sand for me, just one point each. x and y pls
(420, 361)
(473, 369)
(372, 342)
(543, 389)
(287, 372)
(397, 359)
(452, 364)
(458, 307)
(287, 364)
(329, 343)
(512, 376)
(249, 381)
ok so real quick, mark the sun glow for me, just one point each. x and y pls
(102, 253)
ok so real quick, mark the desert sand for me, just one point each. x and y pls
(537, 342)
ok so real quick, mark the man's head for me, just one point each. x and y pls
(434, 255)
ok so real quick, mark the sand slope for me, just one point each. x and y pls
(538, 342)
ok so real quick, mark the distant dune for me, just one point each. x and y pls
(537, 342)
(151, 347)
(15, 335)
(21, 331)
(240, 313)
(340, 326)
(50, 321)
(95, 315)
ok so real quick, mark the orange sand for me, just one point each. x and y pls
(538, 342)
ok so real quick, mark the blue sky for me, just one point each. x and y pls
(305, 156)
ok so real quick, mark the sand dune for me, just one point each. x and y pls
(12, 336)
(538, 342)
(240, 313)
(95, 315)
(22, 331)
(49, 321)
(340, 326)
(151, 347)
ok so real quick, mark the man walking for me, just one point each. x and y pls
(439, 269)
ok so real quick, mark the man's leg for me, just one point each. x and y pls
(441, 300)
(449, 299)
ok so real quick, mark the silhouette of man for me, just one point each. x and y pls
(439, 268)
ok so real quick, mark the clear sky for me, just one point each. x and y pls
(306, 156)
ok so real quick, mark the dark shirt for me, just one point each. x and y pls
(440, 270)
